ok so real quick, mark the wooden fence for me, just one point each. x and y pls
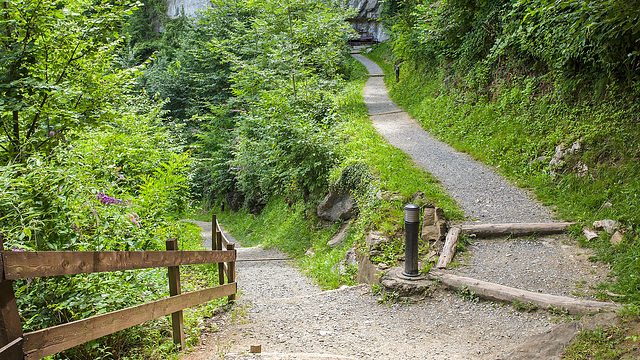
(14, 265)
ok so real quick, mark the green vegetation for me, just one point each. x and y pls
(111, 129)
(512, 83)
(368, 166)
(602, 343)
(509, 82)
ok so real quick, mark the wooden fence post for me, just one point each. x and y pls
(214, 231)
(10, 325)
(220, 265)
(177, 322)
(231, 266)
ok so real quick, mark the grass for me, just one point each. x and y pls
(610, 342)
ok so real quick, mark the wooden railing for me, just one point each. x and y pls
(14, 265)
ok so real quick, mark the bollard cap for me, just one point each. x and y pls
(412, 213)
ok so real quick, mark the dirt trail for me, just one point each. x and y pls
(291, 318)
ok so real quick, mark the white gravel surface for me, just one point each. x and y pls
(291, 318)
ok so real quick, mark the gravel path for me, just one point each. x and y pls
(482, 194)
(291, 318)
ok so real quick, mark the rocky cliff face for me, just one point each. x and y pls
(366, 21)
(190, 7)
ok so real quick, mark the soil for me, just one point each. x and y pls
(290, 317)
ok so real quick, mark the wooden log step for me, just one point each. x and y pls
(515, 229)
(496, 292)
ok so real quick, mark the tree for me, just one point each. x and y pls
(55, 70)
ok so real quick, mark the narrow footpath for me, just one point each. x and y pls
(291, 318)
(483, 195)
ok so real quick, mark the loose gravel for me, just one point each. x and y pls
(291, 318)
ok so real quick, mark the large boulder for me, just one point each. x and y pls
(336, 205)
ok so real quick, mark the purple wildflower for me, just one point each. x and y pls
(133, 220)
(108, 200)
(18, 249)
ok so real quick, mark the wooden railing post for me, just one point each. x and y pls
(177, 322)
(214, 230)
(231, 266)
(10, 325)
(220, 265)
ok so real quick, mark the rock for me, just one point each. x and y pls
(589, 234)
(191, 8)
(575, 147)
(375, 239)
(550, 344)
(429, 216)
(339, 237)
(365, 23)
(606, 205)
(581, 168)
(545, 346)
(434, 224)
(607, 225)
(367, 271)
(419, 199)
(309, 252)
(348, 260)
(335, 206)
(556, 161)
(616, 238)
(394, 281)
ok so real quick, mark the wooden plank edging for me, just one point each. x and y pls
(49, 341)
(26, 264)
(501, 293)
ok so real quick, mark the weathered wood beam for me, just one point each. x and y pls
(501, 293)
(449, 249)
(515, 229)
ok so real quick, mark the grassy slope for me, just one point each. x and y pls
(294, 229)
(517, 132)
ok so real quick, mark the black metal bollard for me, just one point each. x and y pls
(411, 224)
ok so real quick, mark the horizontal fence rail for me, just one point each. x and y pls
(27, 264)
(15, 265)
(49, 341)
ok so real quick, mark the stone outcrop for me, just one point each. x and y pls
(339, 237)
(366, 22)
(434, 224)
(336, 205)
(175, 8)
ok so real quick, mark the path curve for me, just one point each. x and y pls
(482, 194)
